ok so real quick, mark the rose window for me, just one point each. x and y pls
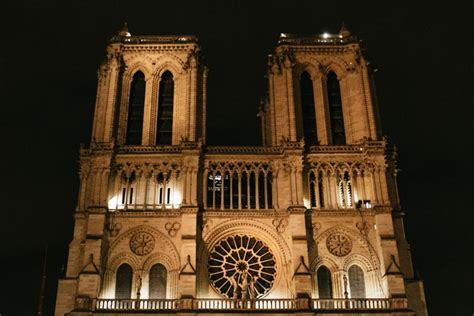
(242, 267)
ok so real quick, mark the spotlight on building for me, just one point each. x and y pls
(367, 204)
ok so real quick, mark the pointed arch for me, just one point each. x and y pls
(356, 281)
(326, 261)
(157, 282)
(344, 189)
(138, 66)
(136, 107)
(336, 118)
(123, 282)
(164, 122)
(165, 244)
(336, 65)
(308, 109)
(169, 63)
(323, 276)
(371, 262)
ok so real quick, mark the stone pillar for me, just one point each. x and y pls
(322, 117)
(191, 133)
(187, 274)
(390, 260)
(149, 120)
(106, 99)
(300, 269)
(290, 99)
(332, 189)
(338, 284)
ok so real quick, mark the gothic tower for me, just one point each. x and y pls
(308, 223)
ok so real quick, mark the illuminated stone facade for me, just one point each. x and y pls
(308, 223)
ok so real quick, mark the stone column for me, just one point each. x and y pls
(191, 133)
(333, 189)
(290, 99)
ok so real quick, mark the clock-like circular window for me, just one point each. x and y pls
(242, 266)
(142, 243)
(339, 244)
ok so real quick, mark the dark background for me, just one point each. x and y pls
(49, 54)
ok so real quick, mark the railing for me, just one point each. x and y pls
(345, 304)
(154, 39)
(144, 207)
(336, 149)
(243, 150)
(229, 304)
(132, 149)
(261, 304)
(130, 304)
(325, 39)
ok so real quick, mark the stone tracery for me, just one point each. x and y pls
(239, 185)
(241, 266)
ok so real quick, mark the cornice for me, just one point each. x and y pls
(128, 214)
(243, 213)
(342, 213)
(243, 150)
(155, 39)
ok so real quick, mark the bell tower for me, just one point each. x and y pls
(151, 91)
(319, 90)
(149, 125)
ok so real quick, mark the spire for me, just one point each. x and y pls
(344, 32)
(124, 31)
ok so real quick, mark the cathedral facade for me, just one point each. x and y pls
(309, 223)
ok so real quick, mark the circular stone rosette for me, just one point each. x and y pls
(339, 244)
(242, 266)
(142, 243)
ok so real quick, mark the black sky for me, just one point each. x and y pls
(49, 54)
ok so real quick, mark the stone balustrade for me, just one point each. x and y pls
(230, 304)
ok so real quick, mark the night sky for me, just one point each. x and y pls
(50, 52)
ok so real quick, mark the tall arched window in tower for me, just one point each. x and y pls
(321, 188)
(135, 110)
(123, 282)
(312, 189)
(316, 190)
(210, 190)
(164, 126)
(226, 189)
(157, 281)
(344, 189)
(308, 110)
(269, 190)
(324, 282)
(338, 133)
(356, 282)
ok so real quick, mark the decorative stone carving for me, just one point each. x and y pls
(115, 229)
(339, 244)
(363, 228)
(316, 228)
(142, 243)
(206, 225)
(172, 228)
(242, 266)
(280, 224)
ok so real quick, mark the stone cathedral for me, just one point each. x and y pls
(309, 223)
